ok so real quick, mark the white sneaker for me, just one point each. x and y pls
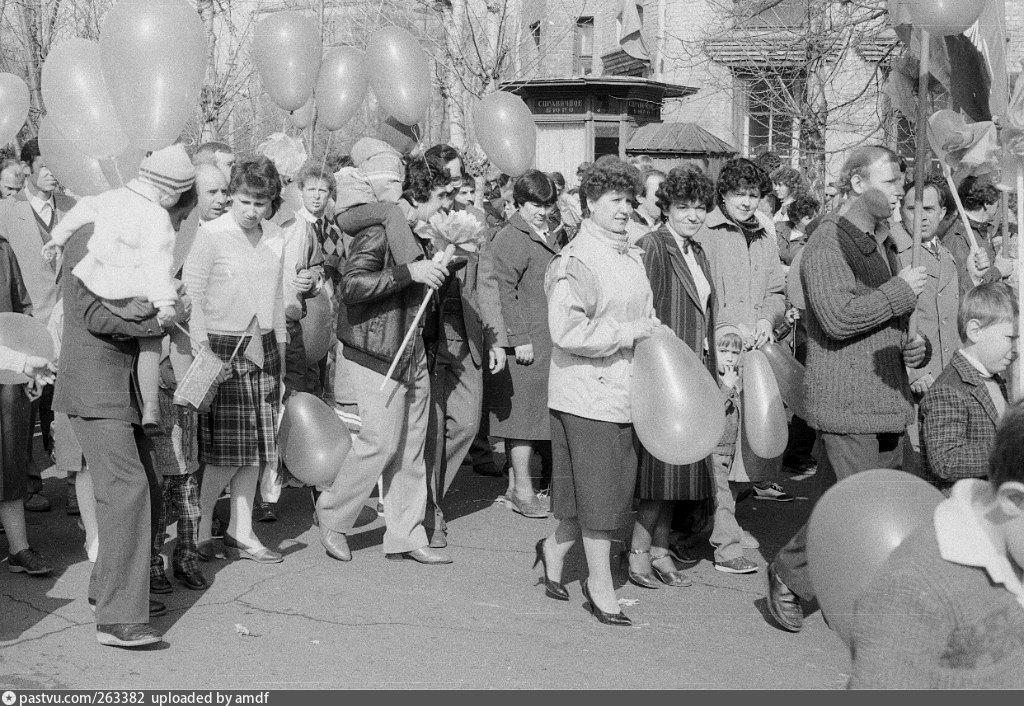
(773, 491)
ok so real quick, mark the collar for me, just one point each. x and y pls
(642, 219)
(867, 242)
(685, 244)
(304, 214)
(962, 538)
(38, 201)
(976, 364)
(718, 218)
(619, 242)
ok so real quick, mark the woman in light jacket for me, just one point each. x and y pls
(599, 306)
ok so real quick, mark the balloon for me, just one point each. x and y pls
(399, 74)
(318, 327)
(403, 138)
(286, 49)
(312, 439)
(506, 133)
(14, 105)
(764, 417)
(154, 57)
(678, 412)
(941, 17)
(304, 116)
(341, 86)
(77, 172)
(24, 334)
(76, 97)
(854, 528)
(789, 374)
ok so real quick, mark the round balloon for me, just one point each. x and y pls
(399, 74)
(678, 412)
(27, 335)
(77, 172)
(76, 97)
(14, 105)
(318, 327)
(764, 417)
(313, 440)
(942, 17)
(154, 57)
(789, 374)
(304, 116)
(854, 528)
(506, 133)
(341, 86)
(286, 49)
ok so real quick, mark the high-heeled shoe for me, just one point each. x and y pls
(676, 579)
(237, 550)
(643, 580)
(619, 618)
(552, 589)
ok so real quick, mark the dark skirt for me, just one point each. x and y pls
(517, 398)
(657, 480)
(14, 436)
(241, 427)
(593, 471)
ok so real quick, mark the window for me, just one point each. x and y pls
(768, 123)
(583, 47)
(535, 33)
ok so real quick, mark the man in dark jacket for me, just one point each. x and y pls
(382, 287)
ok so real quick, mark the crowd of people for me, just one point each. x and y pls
(529, 339)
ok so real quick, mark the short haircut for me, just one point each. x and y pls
(789, 177)
(610, 175)
(988, 304)
(557, 179)
(645, 174)
(583, 168)
(686, 185)
(534, 187)
(741, 173)
(936, 183)
(421, 178)
(30, 151)
(314, 171)
(206, 153)
(803, 206)
(768, 161)
(860, 161)
(6, 164)
(1006, 460)
(977, 193)
(440, 155)
(730, 341)
(257, 177)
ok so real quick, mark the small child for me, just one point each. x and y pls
(944, 611)
(131, 253)
(960, 412)
(727, 537)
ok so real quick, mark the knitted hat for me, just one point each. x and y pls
(170, 170)
(723, 328)
(372, 156)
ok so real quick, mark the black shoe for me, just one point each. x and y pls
(158, 583)
(619, 618)
(264, 512)
(783, 604)
(36, 502)
(127, 635)
(552, 589)
(28, 561)
(192, 579)
(156, 608)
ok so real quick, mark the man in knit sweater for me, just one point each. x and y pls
(857, 392)
(944, 611)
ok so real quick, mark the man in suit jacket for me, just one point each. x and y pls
(99, 393)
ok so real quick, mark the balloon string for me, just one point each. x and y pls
(117, 170)
(327, 148)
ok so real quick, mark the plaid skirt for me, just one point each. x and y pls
(240, 429)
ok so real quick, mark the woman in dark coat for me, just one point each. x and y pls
(520, 253)
(684, 300)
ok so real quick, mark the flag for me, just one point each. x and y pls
(632, 39)
(254, 348)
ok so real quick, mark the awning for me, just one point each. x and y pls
(677, 139)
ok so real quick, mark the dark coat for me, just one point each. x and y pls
(98, 348)
(677, 305)
(14, 405)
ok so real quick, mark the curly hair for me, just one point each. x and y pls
(534, 187)
(741, 173)
(258, 177)
(313, 171)
(421, 178)
(803, 206)
(610, 175)
(977, 193)
(791, 179)
(686, 185)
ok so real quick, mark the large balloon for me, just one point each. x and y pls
(789, 374)
(678, 412)
(854, 528)
(764, 417)
(506, 133)
(399, 74)
(286, 49)
(14, 105)
(939, 17)
(312, 439)
(318, 327)
(304, 116)
(341, 86)
(154, 60)
(77, 172)
(76, 97)
(27, 335)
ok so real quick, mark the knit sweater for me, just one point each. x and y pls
(856, 382)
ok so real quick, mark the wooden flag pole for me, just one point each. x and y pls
(921, 151)
(1019, 364)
